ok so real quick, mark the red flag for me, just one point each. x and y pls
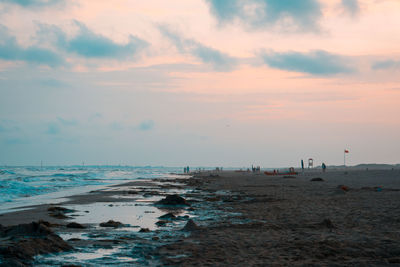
(346, 151)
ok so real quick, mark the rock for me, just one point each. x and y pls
(168, 216)
(60, 209)
(161, 223)
(173, 200)
(75, 225)
(45, 223)
(58, 215)
(144, 230)
(190, 226)
(317, 179)
(24, 241)
(155, 238)
(111, 223)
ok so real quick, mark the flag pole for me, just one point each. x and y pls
(344, 158)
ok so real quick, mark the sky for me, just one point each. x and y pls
(199, 82)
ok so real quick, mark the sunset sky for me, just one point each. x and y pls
(199, 82)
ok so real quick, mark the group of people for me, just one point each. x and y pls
(255, 169)
(186, 169)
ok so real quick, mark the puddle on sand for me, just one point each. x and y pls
(144, 216)
(140, 213)
(87, 257)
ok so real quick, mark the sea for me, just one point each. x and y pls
(27, 185)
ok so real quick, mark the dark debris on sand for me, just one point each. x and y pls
(173, 200)
(20, 243)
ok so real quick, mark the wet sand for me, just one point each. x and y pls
(131, 240)
(293, 221)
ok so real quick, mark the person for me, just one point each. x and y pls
(323, 167)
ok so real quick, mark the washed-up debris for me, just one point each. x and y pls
(173, 200)
(111, 223)
(343, 187)
(20, 243)
(317, 179)
(75, 225)
(168, 216)
(190, 226)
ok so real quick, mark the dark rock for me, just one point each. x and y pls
(144, 230)
(168, 216)
(22, 242)
(190, 226)
(60, 209)
(161, 223)
(59, 215)
(317, 179)
(46, 223)
(111, 223)
(155, 238)
(75, 225)
(173, 200)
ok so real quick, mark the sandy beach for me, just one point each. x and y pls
(344, 217)
(296, 221)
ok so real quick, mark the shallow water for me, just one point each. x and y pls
(20, 186)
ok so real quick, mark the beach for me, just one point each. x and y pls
(341, 217)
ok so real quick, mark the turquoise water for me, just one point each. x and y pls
(23, 183)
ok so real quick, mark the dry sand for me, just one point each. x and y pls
(293, 221)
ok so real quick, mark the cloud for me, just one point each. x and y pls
(386, 64)
(351, 6)
(316, 62)
(10, 50)
(219, 60)
(298, 15)
(16, 141)
(53, 129)
(146, 125)
(116, 126)
(52, 83)
(66, 122)
(8, 126)
(33, 3)
(89, 44)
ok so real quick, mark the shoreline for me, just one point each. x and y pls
(78, 221)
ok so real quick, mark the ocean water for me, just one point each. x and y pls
(31, 185)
